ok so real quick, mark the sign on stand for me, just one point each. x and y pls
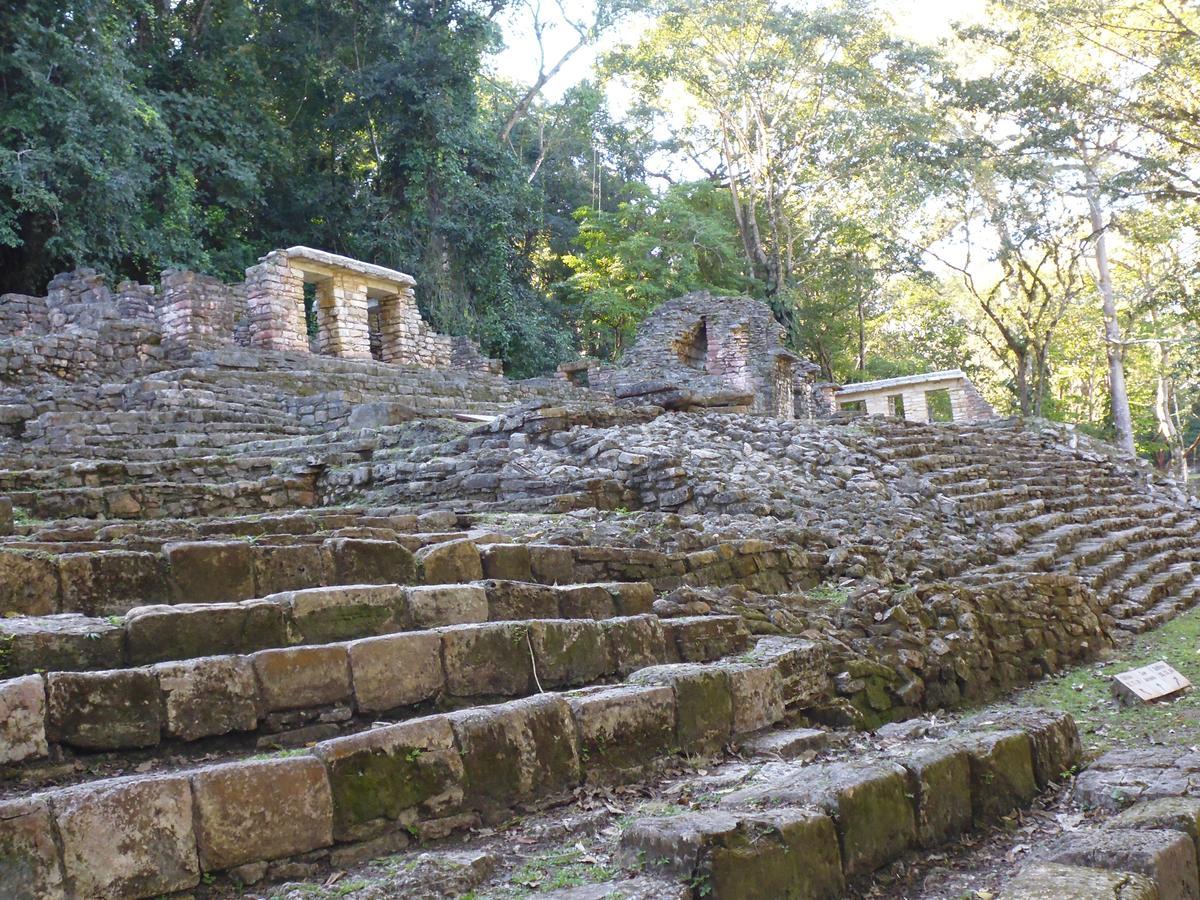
(1152, 682)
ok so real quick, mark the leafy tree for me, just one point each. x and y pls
(650, 249)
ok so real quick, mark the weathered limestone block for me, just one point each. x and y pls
(325, 614)
(867, 801)
(1054, 881)
(703, 638)
(261, 810)
(510, 562)
(289, 567)
(211, 571)
(1054, 739)
(392, 774)
(622, 730)
(1167, 857)
(66, 642)
(396, 670)
(569, 652)
(29, 863)
(302, 677)
(633, 598)
(490, 660)
(101, 584)
(450, 562)
(586, 601)
(635, 642)
(432, 606)
(551, 564)
(790, 743)
(6, 516)
(28, 584)
(703, 704)
(160, 633)
(516, 751)
(757, 693)
(208, 696)
(1176, 813)
(803, 666)
(103, 710)
(22, 719)
(781, 853)
(1001, 772)
(939, 782)
(514, 601)
(362, 561)
(127, 837)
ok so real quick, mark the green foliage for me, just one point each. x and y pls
(649, 249)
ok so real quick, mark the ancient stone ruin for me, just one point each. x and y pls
(404, 627)
(704, 352)
(946, 396)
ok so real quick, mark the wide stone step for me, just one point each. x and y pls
(150, 634)
(809, 830)
(288, 695)
(429, 776)
(113, 582)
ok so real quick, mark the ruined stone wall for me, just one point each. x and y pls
(198, 310)
(704, 351)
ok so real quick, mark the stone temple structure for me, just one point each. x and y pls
(362, 311)
(277, 622)
(701, 351)
(946, 396)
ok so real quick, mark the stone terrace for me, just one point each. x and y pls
(271, 613)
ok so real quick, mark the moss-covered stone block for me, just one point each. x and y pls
(636, 642)
(325, 614)
(102, 584)
(868, 802)
(391, 774)
(396, 670)
(211, 571)
(939, 781)
(289, 567)
(450, 562)
(569, 653)
(363, 561)
(28, 584)
(622, 730)
(103, 710)
(1002, 776)
(489, 660)
(506, 561)
(703, 704)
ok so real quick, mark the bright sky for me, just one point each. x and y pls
(926, 21)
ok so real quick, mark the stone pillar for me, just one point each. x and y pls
(342, 318)
(399, 325)
(877, 405)
(915, 407)
(275, 305)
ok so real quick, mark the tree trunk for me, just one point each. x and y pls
(1112, 328)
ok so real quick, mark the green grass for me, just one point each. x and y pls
(1086, 692)
(829, 594)
(556, 870)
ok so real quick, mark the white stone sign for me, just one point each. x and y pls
(1151, 682)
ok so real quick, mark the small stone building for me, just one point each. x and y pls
(362, 311)
(946, 396)
(704, 351)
